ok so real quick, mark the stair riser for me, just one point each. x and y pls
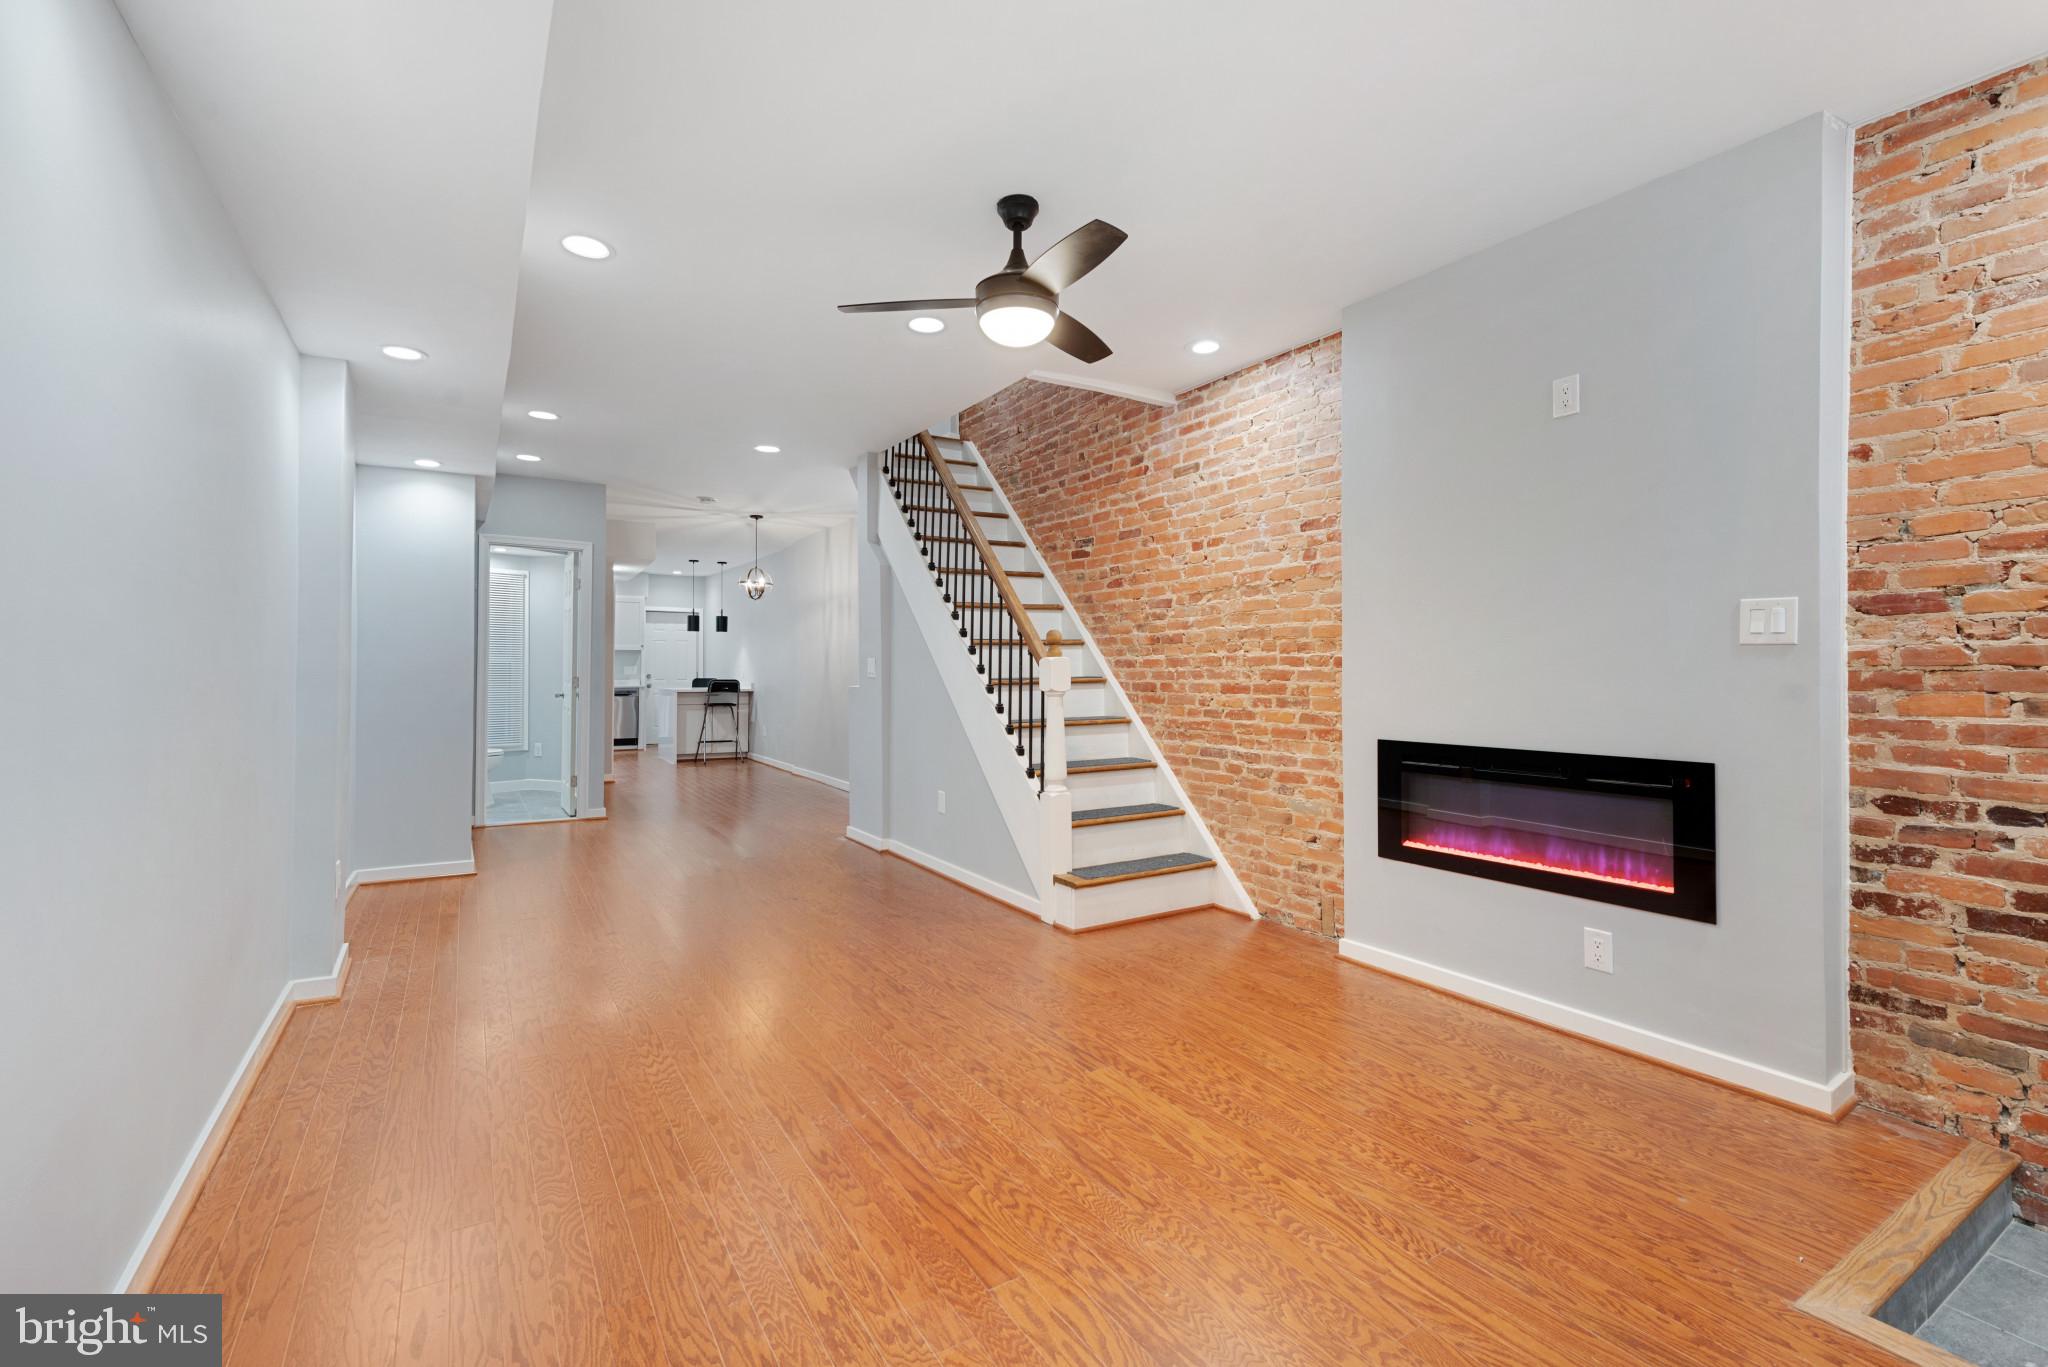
(1087, 742)
(1118, 788)
(1142, 897)
(1130, 840)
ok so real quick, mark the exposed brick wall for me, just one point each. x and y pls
(1948, 593)
(1200, 544)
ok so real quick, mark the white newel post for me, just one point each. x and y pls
(1056, 803)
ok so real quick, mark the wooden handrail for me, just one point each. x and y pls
(1011, 602)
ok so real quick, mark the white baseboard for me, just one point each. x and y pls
(525, 785)
(590, 814)
(404, 873)
(841, 784)
(323, 988)
(966, 878)
(212, 1134)
(1823, 1098)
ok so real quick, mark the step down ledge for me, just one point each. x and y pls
(1124, 870)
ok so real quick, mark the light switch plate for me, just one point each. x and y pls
(1564, 396)
(1767, 622)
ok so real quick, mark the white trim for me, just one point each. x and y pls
(1822, 1098)
(590, 814)
(988, 887)
(402, 873)
(258, 1048)
(841, 784)
(583, 566)
(321, 988)
(527, 785)
(1159, 398)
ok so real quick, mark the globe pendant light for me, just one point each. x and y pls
(718, 622)
(757, 583)
(696, 623)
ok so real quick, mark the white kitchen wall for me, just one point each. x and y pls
(1570, 584)
(149, 453)
(415, 671)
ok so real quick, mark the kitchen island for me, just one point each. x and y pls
(680, 713)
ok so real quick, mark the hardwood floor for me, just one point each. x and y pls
(708, 1083)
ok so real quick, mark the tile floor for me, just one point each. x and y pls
(507, 808)
(1998, 1315)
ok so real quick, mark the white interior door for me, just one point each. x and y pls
(571, 780)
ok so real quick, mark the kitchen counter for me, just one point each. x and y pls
(683, 711)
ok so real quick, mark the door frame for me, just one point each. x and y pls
(580, 560)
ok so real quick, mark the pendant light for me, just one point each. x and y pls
(757, 583)
(718, 622)
(696, 623)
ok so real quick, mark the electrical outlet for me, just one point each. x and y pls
(338, 880)
(1564, 397)
(1600, 950)
(942, 802)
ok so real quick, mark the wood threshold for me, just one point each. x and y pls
(1838, 1115)
(1853, 1290)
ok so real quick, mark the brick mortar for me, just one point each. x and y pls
(1948, 617)
(1200, 544)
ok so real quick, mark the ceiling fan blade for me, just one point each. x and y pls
(1076, 254)
(907, 306)
(1076, 340)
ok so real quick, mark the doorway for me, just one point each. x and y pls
(531, 696)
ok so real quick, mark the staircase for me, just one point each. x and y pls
(1119, 840)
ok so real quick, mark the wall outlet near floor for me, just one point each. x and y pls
(1564, 396)
(942, 802)
(1600, 950)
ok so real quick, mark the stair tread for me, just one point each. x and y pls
(1098, 763)
(1130, 811)
(1079, 721)
(1014, 574)
(1080, 680)
(968, 541)
(1151, 866)
(936, 508)
(964, 488)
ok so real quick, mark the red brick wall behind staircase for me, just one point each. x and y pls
(1201, 545)
(1948, 623)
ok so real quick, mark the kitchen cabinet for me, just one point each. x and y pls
(629, 623)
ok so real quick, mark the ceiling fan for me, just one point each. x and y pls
(1019, 305)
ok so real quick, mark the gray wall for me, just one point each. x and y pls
(324, 754)
(906, 743)
(148, 446)
(1571, 584)
(415, 666)
(565, 510)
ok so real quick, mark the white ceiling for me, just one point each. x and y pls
(755, 165)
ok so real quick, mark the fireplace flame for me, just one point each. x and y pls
(1576, 859)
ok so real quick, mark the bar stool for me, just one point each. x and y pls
(720, 700)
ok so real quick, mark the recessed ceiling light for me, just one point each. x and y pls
(675, 571)
(589, 248)
(768, 450)
(922, 323)
(521, 455)
(405, 353)
(1206, 347)
(542, 414)
(428, 464)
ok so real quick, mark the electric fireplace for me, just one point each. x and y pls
(1634, 832)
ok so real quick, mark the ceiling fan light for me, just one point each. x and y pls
(1016, 320)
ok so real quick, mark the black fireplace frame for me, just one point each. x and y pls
(1689, 784)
